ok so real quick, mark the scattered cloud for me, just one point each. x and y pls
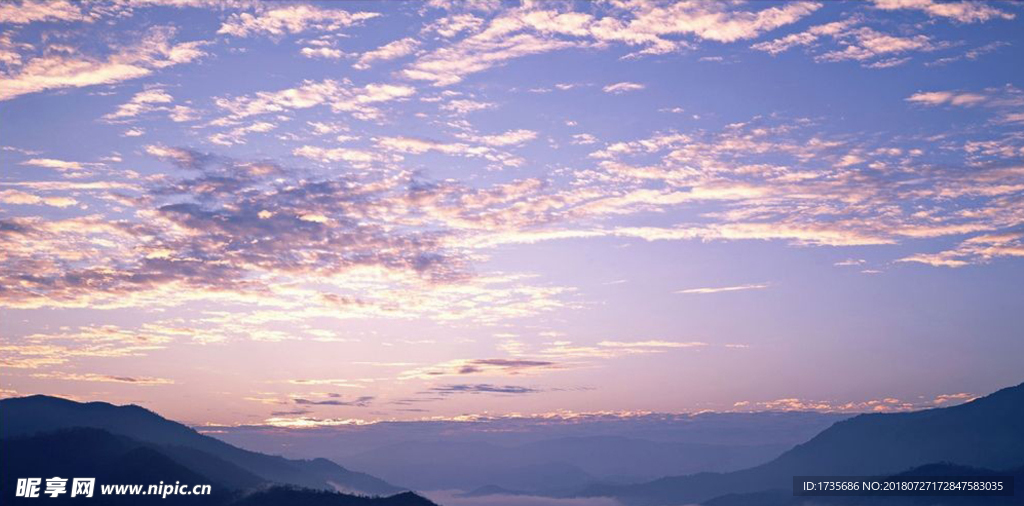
(509, 138)
(17, 197)
(293, 19)
(322, 52)
(963, 11)
(418, 146)
(933, 98)
(104, 378)
(651, 344)
(334, 382)
(483, 366)
(970, 54)
(720, 289)
(389, 51)
(32, 11)
(654, 28)
(584, 139)
(340, 96)
(464, 106)
(356, 157)
(975, 250)
(157, 50)
(954, 398)
(853, 41)
(623, 87)
(865, 43)
(237, 135)
(805, 38)
(294, 412)
(882, 405)
(480, 388)
(140, 103)
(361, 402)
(450, 26)
(53, 163)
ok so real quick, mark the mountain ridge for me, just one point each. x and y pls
(119, 461)
(987, 432)
(41, 413)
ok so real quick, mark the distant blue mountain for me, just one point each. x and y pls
(551, 466)
(985, 433)
(103, 438)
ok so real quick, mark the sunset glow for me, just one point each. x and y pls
(315, 215)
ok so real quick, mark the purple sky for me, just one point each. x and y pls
(313, 214)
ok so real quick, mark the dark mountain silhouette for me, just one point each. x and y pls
(119, 460)
(93, 453)
(39, 413)
(986, 433)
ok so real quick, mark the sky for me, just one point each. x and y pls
(320, 214)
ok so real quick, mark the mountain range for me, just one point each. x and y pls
(985, 433)
(42, 436)
(544, 456)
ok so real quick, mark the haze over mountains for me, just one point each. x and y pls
(986, 433)
(129, 444)
(544, 455)
(43, 435)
